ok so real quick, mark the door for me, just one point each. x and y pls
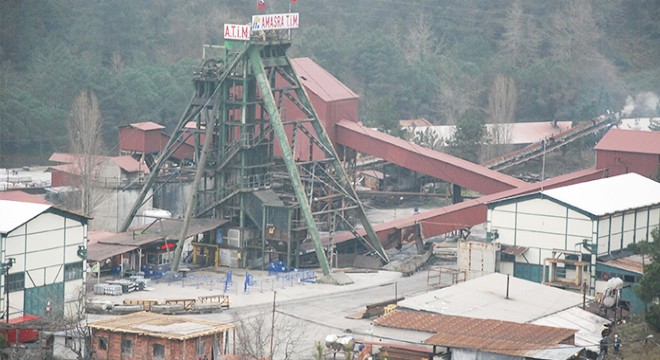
(37, 298)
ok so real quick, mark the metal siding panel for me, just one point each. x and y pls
(529, 272)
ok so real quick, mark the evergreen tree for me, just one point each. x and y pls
(469, 136)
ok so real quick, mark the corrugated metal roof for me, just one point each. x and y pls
(146, 126)
(485, 298)
(588, 325)
(101, 251)
(65, 158)
(484, 334)
(22, 196)
(161, 326)
(634, 141)
(609, 195)
(319, 81)
(16, 213)
(129, 164)
(633, 263)
(104, 245)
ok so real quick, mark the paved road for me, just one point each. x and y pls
(304, 321)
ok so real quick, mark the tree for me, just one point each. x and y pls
(648, 289)
(85, 141)
(501, 109)
(470, 135)
(521, 38)
(384, 116)
(255, 333)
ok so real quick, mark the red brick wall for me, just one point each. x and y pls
(143, 347)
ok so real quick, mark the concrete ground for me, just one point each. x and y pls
(210, 282)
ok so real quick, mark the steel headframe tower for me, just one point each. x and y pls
(237, 110)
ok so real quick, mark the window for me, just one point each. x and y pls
(159, 351)
(200, 347)
(73, 271)
(69, 342)
(103, 343)
(126, 347)
(16, 281)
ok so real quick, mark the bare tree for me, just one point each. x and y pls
(85, 140)
(573, 33)
(502, 101)
(74, 325)
(254, 333)
(421, 43)
(521, 38)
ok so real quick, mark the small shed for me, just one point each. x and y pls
(143, 137)
(148, 335)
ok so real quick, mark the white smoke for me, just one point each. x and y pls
(643, 104)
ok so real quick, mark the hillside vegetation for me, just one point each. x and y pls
(406, 59)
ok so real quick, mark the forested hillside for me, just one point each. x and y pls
(437, 59)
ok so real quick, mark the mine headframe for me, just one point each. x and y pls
(247, 170)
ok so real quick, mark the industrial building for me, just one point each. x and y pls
(624, 151)
(458, 337)
(556, 236)
(44, 252)
(505, 298)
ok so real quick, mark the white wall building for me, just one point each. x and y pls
(46, 247)
(575, 222)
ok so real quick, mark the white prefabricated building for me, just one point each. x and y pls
(578, 222)
(43, 250)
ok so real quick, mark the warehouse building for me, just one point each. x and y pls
(557, 236)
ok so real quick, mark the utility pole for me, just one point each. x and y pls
(272, 328)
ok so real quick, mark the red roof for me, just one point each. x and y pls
(22, 196)
(504, 337)
(146, 126)
(634, 141)
(317, 80)
(126, 163)
(65, 158)
(129, 164)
